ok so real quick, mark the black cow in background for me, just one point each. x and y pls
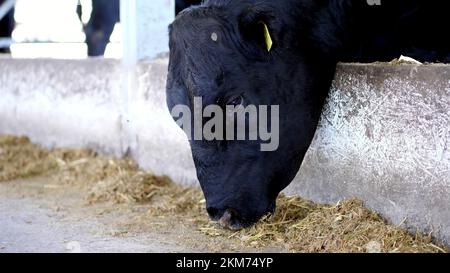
(267, 52)
(6, 27)
(105, 14)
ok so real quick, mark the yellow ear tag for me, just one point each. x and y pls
(267, 37)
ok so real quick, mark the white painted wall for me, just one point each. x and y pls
(145, 25)
(384, 136)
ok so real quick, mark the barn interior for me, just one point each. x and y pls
(91, 160)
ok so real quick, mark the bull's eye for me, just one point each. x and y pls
(236, 101)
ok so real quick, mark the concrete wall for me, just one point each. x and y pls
(385, 138)
(62, 103)
(384, 135)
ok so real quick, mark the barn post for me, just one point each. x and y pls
(144, 36)
(145, 27)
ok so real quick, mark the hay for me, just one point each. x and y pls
(132, 185)
(115, 180)
(404, 60)
(21, 159)
(297, 225)
(350, 227)
(302, 226)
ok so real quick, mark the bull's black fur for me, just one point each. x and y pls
(310, 37)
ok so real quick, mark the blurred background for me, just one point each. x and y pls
(57, 28)
(76, 29)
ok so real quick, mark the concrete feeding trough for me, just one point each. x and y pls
(384, 136)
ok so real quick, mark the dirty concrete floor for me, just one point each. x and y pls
(37, 216)
(77, 201)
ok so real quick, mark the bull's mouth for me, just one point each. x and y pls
(231, 220)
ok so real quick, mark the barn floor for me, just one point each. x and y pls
(77, 201)
(40, 217)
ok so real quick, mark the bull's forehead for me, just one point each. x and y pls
(205, 30)
(204, 46)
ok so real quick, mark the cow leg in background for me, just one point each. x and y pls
(6, 28)
(182, 4)
(105, 14)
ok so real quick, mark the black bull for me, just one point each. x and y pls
(219, 51)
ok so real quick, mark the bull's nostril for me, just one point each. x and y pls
(214, 213)
(226, 218)
(230, 220)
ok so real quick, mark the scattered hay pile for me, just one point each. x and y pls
(115, 180)
(297, 225)
(20, 159)
(346, 227)
(133, 185)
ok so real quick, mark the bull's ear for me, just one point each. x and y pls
(267, 37)
(256, 29)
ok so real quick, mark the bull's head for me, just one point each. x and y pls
(239, 53)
